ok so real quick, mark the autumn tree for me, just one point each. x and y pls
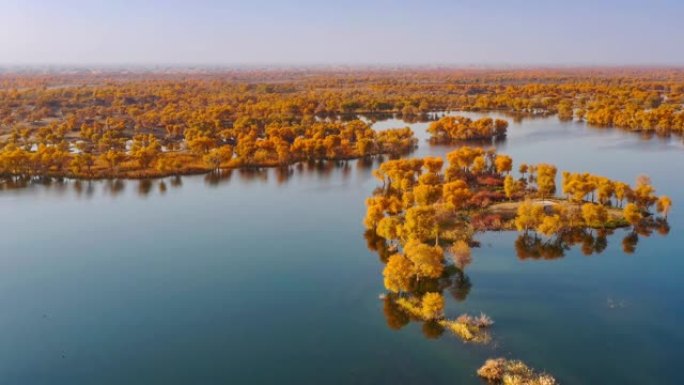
(216, 156)
(594, 215)
(389, 228)
(421, 223)
(663, 205)
(632, 214)
(427, 260)
(528, 216)
(644, 193)
(432, 306)
(546, 179)
(511, 186)
(375, 211)
(145, 150)
(113, 158)
(398, 273)
(504, 164)
(456, 194)
(550, 225)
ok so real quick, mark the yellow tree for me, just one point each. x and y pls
(644, 193)
(421, 223)
(375, 211)
(479, 165)
(606, 190)
(550, 225)
(113, 158)
(430, 178)
(546, 179)
(456, 194)
(432, 306)
(427, 260)
(426, 194)
(622, 192)
(389, 228)
(529, 215)
(632, 214)
(201, 144)
(145, 150)
(398, 273)
(216, 156)
(511, 186)
(433, 164)
(463, 158)
(663, 205)
(83, 161)
(594, 215)
(503, 163)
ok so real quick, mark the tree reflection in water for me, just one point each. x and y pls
(453, 280)
(528, 246)
(86, 188)
(590, 241)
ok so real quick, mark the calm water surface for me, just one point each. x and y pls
(263, 278)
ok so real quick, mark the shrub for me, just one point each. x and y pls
(512, 372)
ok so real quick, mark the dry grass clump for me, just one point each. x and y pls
(466, 327)
(431, 309)
(493, 369)
(470, 328)
(481, 321)
(512, 372)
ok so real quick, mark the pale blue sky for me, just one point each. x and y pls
(572, 32)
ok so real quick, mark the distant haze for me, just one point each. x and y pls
(305, 32)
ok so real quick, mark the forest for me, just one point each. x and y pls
(99, 124)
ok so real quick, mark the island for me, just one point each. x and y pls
(424, 217)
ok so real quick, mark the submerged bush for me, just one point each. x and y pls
(512, 372)
(470, 328)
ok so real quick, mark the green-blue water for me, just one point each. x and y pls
(266, 278)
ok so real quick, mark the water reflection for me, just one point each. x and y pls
(217, 177)
(321, 170)
(528, 246)
(454, 280)
(115, 187)
(589, 241)
(177, 181)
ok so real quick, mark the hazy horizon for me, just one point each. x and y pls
(306, 33)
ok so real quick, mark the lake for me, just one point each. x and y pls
(265, 277)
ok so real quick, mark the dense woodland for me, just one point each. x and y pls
(134, 124)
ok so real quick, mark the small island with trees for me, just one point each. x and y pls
(427, 217)
(449, 129)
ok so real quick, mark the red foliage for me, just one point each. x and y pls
(486, 222)
(490, 180)
(485, 198)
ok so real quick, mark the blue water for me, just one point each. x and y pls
(263, 278)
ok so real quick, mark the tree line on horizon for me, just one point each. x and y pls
(146, 124)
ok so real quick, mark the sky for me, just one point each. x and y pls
(361, 32)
